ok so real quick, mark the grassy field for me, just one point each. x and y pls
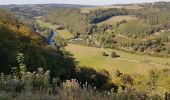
(87, 10)
(115, 19)
(63, 33)
(46, 24)
(126, 63)
(125, 7)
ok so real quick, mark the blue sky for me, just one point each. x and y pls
(83, 2)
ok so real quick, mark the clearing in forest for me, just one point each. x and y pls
(115, 19)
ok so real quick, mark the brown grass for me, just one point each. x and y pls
(115, 19)
(87, 10)
(125, 7)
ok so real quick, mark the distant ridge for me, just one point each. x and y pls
(50, 4)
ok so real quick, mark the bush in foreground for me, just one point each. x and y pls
(70, 90)
(37, 86)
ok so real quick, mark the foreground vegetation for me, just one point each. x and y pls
(90, 84)
(42, 84)
(36, 86)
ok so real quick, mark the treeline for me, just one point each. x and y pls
(27, 12)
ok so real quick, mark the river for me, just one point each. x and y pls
(51, 40)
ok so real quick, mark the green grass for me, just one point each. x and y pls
(64, 34)
(46, 24)
(114, 20)
(92, 57)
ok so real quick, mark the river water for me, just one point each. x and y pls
(51, 41)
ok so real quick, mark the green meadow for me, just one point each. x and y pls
(126, 63)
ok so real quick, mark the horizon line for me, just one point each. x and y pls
(81, 4)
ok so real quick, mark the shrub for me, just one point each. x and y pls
(105, 54)
(10, 88)
(113, 54)
(117, 73)
(71, 90)
(93, 77)
(141, 48)
(126, 79)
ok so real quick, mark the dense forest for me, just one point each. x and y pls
(30, 65)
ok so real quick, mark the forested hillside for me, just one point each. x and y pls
(83, 23)
(25, 51)
(19, 38)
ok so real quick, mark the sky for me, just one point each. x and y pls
(82, 2)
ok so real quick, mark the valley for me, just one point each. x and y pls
(85, 52)
(127, 62)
